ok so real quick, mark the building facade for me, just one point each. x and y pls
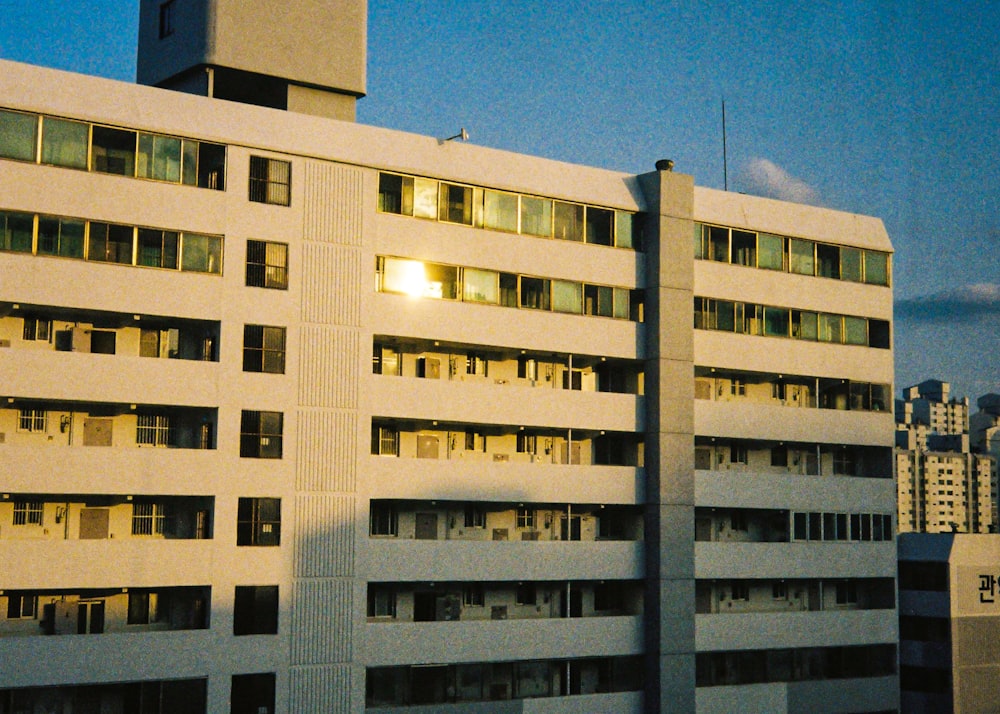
(943, 484)
(301, 415)
(949, 615)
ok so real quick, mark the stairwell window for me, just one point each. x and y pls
(263, 349)
(270, 181)
(261, 434)
(258, 521)
(267, 265)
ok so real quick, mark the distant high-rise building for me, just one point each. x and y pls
(943, 486)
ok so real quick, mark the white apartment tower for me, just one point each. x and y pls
(300, 415)
(943, 486)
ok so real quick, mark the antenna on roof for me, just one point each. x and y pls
(463, 135)
(725, 161)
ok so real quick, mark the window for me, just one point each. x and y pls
(779, 590)
(263, 349)
(525, 594)
(148, 519)
(261, 434)
(31, 420)
(381, 601)
(744, 248)
(62, 237)
(476, 363)
(201, 253)
(167, 19)
(16, 230)
(738, 454)
(258, 521)
(599, 224)
(383, 519)
(270, 181)
(385, 360)
(21, 605)
(267, 265)
(64, 143)
(385, 441)
(847, 593)
(525, 518)
(113, 151)
(158, 248)
(526, 443)
(142, 607)
(473, 595)
(252, 693)
(876, 268)
(18, 136)
(475, 517)
(738, 521)
(255, 610)
(110, 243)
(27, 513)
(739, 591)
(154, 430)
(455, 204)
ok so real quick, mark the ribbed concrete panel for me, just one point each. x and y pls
(320, 689)
(331, 284)
(333, 204)
(326, 451)
(327, 368)
(325, 544)
(322, 621)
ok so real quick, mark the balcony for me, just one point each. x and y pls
(504, 560)
(768, 630)
(446, 642)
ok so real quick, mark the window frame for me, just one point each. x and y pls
(32, 421)
(258, 428)
(264, 349)
(270, 181)
(28, 513)
(267, 264)
(258, 521)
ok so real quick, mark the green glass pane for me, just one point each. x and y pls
(567, 297)
(536, 216)
(500, 211)
(18, 136)
(876, 268)
(770, 252)
(568, 221)
(855, 331)
(64, 143)
(850, 264)
(16, 231)
(624, 228)
(801, 256)
(480, 286)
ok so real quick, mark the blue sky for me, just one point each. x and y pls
(888, 109)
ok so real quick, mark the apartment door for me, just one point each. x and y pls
(426, 526)
(94, 523)
(427, 446)
(90, 617)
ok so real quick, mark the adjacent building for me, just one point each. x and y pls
(300, 415)
(944, 485)
(949, 622)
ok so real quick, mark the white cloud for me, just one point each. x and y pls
(768, 179)
(961, 303)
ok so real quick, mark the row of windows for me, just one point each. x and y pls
(258, 520)
(792, 665)
(769, 321)
(255, 610)
(505, 211)
(791, 255)
(110, 242)
(449, 282)
(126, 152)
(842, 526)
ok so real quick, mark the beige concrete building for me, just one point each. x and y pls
(949, 608)
(300, 415)
(943, 485)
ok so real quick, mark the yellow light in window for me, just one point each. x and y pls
(406, 276)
